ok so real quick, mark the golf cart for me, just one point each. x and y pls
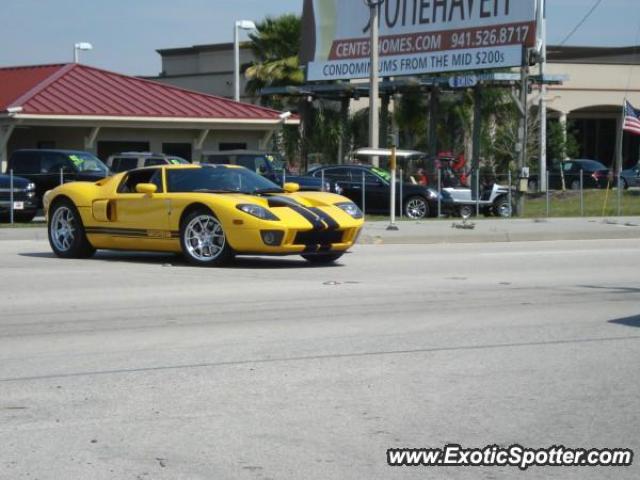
(418, 167)
(494, 200)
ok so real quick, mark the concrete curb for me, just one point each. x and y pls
(441, 231)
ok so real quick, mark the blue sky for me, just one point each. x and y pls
(127, 33)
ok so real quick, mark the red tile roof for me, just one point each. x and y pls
(75, 89)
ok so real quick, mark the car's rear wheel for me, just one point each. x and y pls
(322, 259)
(502, 208)
(575, 185)
(203, 240)
(66, 232)
(416, 208)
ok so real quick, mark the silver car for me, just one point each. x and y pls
(631, 176)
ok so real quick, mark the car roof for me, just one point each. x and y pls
(51, 150)
(142, 154)
(238, 152)
(386, 152)
(344, 165)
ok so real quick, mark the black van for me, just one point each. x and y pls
(47, 168)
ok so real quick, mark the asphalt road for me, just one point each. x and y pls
(133, 366)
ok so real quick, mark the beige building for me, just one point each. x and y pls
(591, 99)
(205, 68)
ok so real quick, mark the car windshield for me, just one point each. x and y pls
(277, 162)
(219, 180)
(383, 174)
(177, 161)
(87, 163)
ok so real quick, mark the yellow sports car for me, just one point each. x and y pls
(209, 213)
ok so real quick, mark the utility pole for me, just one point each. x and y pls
(374, 123)
(524, 129)
(542, 43)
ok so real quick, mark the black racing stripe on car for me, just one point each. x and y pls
(134, 232)
(326, 218)
(313, 218)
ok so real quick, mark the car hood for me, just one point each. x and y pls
(18, 182)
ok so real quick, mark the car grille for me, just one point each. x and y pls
(318, 238)
(18, 195)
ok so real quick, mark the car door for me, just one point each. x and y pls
(342, 177)
(56, 167)
(138, 215)
(377, 191)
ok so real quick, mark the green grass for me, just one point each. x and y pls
(567, 204)
(596, 204)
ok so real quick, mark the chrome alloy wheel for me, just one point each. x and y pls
(63, 228)
(204, 238)
(416, 208)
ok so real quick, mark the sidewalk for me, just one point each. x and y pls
(501, 230)
(441, 231)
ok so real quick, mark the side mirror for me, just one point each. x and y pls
(146, 188)
(291, 187)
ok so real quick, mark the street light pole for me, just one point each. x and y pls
(80, 46)
(542, 27)
(374, 126)
(244, 25)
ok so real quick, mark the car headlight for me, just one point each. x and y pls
(31, 186)
(350, 208)
(433, 195)
(257, 211)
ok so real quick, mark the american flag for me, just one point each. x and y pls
(631, 119)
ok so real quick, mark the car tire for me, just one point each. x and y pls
(322, 259)
(203, 240)
(416, 208)
(532, 186)
(575, 185)
(466, 211)
(625, 184)
(66, 232)
(502, 208)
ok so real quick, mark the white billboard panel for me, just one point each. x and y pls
(416, 36)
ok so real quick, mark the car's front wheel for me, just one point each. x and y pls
(322, 259)
(502, 208)
(203, 240)
(66, 232)
(416, 208)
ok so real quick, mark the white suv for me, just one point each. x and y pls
(121, 162)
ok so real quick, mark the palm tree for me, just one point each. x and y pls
(275, 44)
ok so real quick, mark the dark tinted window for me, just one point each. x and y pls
(121, 164)
(217, 179)
(25, 163)
(257, 163)
(338, 174)
(590, 165)
(52, 162)
(152, 162)
(152, 175)
(217, 159)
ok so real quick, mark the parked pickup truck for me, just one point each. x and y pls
(25, 202)
(268, 164)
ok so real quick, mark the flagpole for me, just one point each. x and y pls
(620, 138)
(619, 141)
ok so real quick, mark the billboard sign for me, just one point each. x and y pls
(416, 36)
